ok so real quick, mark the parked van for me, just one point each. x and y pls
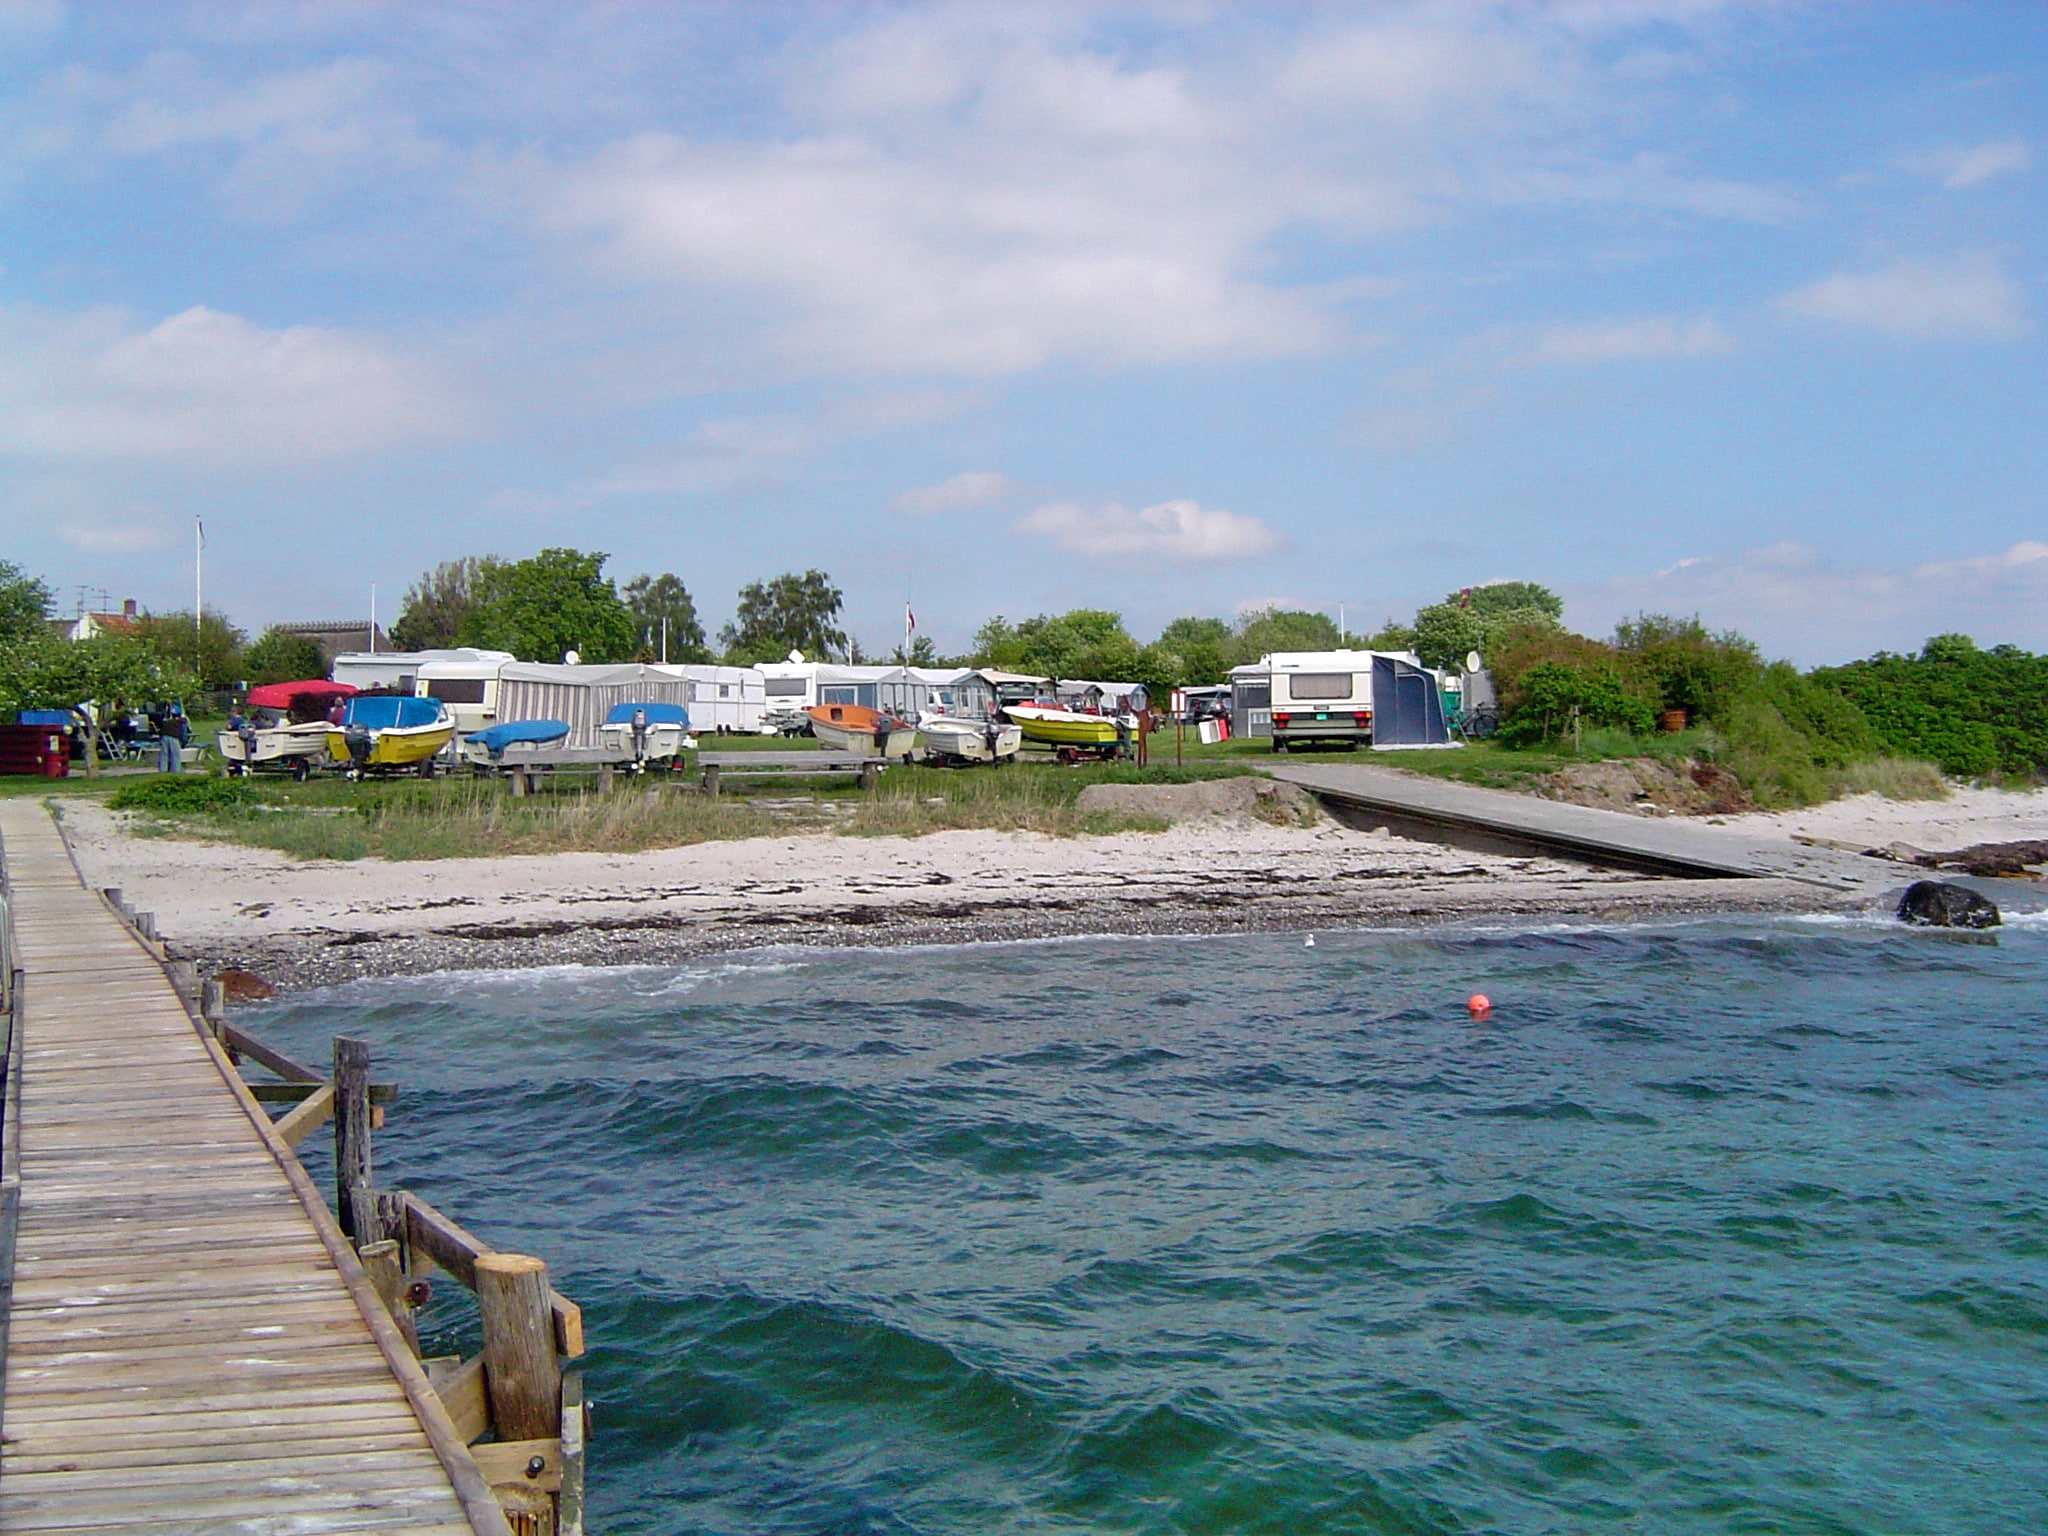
(1325, 696)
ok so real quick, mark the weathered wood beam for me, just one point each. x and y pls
(522, 1372)
(312, 1113)
(235, 1038)
(298, 1092)
(434, 1236)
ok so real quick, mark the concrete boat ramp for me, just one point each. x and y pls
(1494, 821)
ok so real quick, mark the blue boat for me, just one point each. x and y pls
(488, 746)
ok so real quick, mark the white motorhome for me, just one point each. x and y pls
(1324, 696)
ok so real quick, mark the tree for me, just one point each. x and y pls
(279, 656)
(663, 611)
(1445, 633)
(997, 644)
(1495, 598)
(1198, 651)
(790, 613)
(24, 603)
(431, 613)
(542, 608)
(39, 671)
(923, 652)
(1267, 630)
(210, 650)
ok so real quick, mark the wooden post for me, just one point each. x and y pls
(711, 782)
(184, 976)
(521, 1369)
(145, 924)
(352, 1137)
(113, 895)
(213, 1003)
(387, 1277)
(870, 774)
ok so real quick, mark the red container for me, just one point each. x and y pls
(35, 749)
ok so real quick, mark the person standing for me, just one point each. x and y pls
(170, 741)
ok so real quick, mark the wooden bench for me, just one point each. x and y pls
(755, 765)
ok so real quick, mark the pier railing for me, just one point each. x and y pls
(11, 1003)
(516, 1409)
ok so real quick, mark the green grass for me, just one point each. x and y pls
(330, 818)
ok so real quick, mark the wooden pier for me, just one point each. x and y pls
(192, 1345)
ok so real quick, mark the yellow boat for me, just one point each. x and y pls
(390, 731)
(1064, 727)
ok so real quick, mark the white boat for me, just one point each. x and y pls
(293, 749)
(962, 739)
(648, 732)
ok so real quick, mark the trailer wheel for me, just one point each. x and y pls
(426, 768)
(1279, 745)
(301, 770)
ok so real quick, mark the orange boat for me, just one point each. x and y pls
(856, 728)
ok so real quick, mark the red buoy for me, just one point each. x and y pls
(1479, 1004)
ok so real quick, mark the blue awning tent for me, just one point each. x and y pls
(1407, 710)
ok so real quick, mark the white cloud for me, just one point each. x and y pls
(1966, 296)
(206, 384)
(1961, 168)
(1796, 600)
(130, 531)
(980, 194)
(1609, 341)
(1172, 530)
(965, 492)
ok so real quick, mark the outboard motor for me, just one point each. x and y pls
(357, 739)
(639, 735)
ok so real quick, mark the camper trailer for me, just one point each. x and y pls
(1353, 698)
(398, 671)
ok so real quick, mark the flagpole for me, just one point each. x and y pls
(198, 578)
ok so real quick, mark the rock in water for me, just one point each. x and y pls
(1937, 904)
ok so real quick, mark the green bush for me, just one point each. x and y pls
(179, 794)
(1975, 713)
(1556, 698)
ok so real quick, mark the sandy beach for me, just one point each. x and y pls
(305, 923)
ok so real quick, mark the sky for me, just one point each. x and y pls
(1670, 305)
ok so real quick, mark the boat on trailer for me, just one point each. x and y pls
(294, 740)
(964, 739)
(647, 731)
(385, 732)
(1069, 731)
(857, 728)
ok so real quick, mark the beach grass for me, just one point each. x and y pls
(477, 818)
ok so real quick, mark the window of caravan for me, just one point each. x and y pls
(1254, 695)
(456, 690)
(783, 687)
(1305, 686)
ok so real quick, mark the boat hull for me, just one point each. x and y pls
(856, 728)
(658, 741)
(1063, 728)
(970, 741)
(277, 746)
(397, 746)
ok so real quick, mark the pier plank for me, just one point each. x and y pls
(186, 1352)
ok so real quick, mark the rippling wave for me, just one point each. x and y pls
(1715, 1226)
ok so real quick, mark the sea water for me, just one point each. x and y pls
(1719, 1226)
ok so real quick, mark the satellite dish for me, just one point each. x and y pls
(1472, 661)
(796, 656)
(570, 658)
